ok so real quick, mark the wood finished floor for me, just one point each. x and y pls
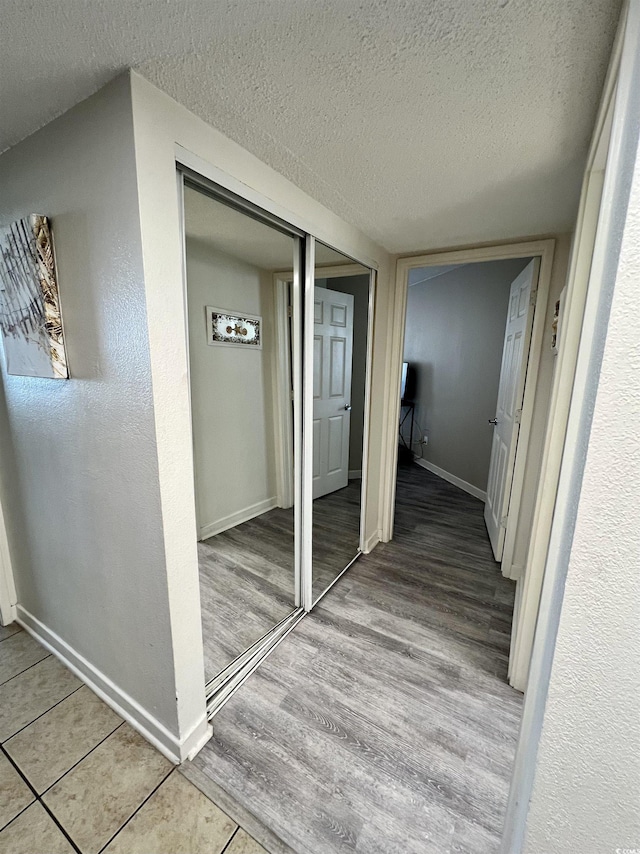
(384, 723)
(336, 534)
(246, 573)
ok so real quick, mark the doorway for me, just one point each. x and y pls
(465, 363)
(486, 388)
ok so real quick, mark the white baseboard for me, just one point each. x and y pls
(196, 740)
(451, 478)
(233, 519)
(155, 732)
(372, 542)
(354, 474)
(9, 614)
(515, 571)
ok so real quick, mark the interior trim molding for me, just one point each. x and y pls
(354, 474)
(153, 730)
(233, 519)
(451, 478)
(8, 596)
(372, 542)
(517, 571)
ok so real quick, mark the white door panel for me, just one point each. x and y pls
(332, 364)
(338, 367)
(317, 428)
(336, 434)
(317, 366)
(510, 394)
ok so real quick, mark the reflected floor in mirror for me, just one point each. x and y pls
(246, 573)
(246, 585)
(384, 721)
(336, 534)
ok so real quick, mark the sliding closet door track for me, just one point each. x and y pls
(226, 683)
(338, 577)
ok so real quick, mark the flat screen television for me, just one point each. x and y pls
(407, 382)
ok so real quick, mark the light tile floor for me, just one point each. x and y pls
(74, 777)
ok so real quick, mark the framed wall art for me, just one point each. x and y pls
(30, 316)
(226, 328)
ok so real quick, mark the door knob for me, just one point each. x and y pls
(493, 421)
(347, 406)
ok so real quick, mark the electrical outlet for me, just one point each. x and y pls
(425, 440)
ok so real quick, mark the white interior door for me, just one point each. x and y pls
(506, 424)
(332, 364)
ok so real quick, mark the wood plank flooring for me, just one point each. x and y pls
(246, 573)
(336, 534)
(246, 585)
(383, 723)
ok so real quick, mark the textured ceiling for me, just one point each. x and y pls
(424, 123)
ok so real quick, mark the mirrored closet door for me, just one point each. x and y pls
(242, 322)
(278, 414)
(341, 305)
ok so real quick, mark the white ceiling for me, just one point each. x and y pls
(424, 123)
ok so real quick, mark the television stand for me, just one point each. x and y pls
(407, 410)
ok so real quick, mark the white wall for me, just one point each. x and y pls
(586, 788)
(84, 510)
(231, 392)
(454, 340)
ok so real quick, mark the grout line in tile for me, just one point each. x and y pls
(60, 827)
(233, 835)
(24, 809)
(15, 675)
(75, 764)
(138, 808)
(43, 713)
(11, 635)
(39, 800)
(29, 666)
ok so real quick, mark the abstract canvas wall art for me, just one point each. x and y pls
(30, 316)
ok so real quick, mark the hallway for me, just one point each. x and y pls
(384, 722)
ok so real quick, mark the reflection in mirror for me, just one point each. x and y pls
(341, 315)
(240, 375)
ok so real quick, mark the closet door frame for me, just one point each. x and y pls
(307, 424)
